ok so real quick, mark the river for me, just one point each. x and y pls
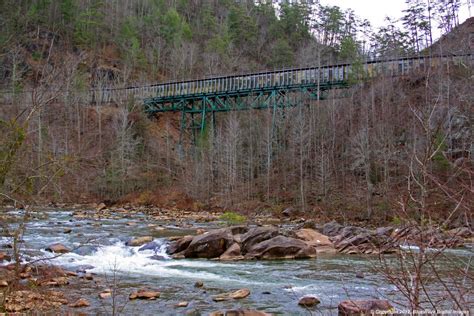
(275, 286)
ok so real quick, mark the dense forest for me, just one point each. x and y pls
(381, 146)
(154, 40)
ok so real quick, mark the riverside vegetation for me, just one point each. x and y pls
(384, 171)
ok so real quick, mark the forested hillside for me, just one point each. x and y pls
(394, 143)
(153, 40)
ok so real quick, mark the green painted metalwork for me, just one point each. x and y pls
(246, 99)
(196, 108)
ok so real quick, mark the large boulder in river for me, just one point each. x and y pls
(257, 235)
(281, 247)
(179, 245)
(210, 245)
(232, 253)
(320, 242)
(363, 307)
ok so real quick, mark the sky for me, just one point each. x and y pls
(376, 10)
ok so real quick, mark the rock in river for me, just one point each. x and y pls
(257, 235)
(332, 229)
(157, 257)
(308, 301)
(150, 246)
(232, 253)
(144, 295)
(360, 275)
(179, 245)
(105, 294)
(363, 307)
(281, 247)
(138, 241)
(4, 256)
(82, 302)
(239, 294)
(354, 241)
(209, 245)
(58, 248)
(315, 239)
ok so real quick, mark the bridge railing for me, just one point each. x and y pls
(260, 80)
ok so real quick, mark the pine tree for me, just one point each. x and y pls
(447, 14)
(391, 41)
(415, 21)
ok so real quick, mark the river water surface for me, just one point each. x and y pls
(275, 286)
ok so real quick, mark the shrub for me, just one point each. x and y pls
(232, 218)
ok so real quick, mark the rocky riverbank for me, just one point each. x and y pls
(42, 288)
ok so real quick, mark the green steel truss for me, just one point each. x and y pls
(246, 99)
(197, 109)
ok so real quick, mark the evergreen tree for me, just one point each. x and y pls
(391, 41)
(415, 22)
(294, 23)
(447, 14)
(242, 28)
